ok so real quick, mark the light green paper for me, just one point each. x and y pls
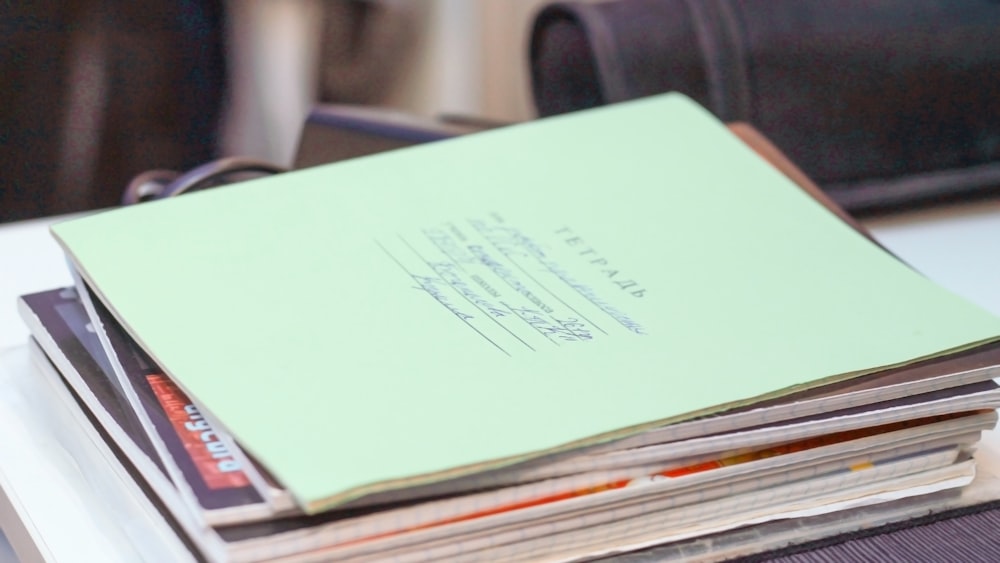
(284, 305)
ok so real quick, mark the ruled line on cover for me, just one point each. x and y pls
(464, 296)
(477, 227)
(460, 316)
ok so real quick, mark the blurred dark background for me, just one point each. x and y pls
(884, 103)
(94, 91)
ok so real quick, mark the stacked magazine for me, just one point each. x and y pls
(516, 372)
(891, 435)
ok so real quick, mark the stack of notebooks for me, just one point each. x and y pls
(556, 341)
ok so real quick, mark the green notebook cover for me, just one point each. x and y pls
(420, 314)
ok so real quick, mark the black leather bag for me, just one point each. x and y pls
(884, 103)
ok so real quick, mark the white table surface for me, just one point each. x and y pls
(957, 247)
(27, 255)
(30, 260)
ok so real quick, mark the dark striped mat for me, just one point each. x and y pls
(970, 533)
(964, 534)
